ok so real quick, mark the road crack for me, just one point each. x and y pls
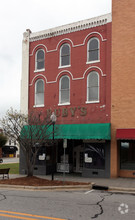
(99, 204)
(3, 197)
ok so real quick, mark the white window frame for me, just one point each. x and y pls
(39, 105)
(60, 66)
(64, 103)
(93, 101)
(93, 61)
(39, 70)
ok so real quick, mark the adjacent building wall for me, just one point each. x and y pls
(123, 74)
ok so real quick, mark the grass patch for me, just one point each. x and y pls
(14, 167)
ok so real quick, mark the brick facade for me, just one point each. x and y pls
(78, 111)
(123, 77)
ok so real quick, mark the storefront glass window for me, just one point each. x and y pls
(127, 155)
(94, 156)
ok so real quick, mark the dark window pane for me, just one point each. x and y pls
(96, 152)
(93, 94)
(127, 155)
(93, 55)
(65, 55)
(65, 50)
(93, 79)
(40, 87)
(40, 65)
(65, 83)
(39, 94)
(40, 59)
(40, 55)
(93, 44)
(64, 96)
(65, 60)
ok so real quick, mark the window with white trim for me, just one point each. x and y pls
(93, 87)
(40, 60)
(64, 90)
(65, 55)
(39, 92)
(93, 49)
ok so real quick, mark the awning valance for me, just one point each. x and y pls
(127, 134)
(78, 131)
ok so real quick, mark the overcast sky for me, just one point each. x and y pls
(18, 15)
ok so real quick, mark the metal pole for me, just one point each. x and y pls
(64, 167)
(52, 154)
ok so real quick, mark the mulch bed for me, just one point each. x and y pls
(36, 181)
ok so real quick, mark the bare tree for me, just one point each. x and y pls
(3, 140)
(30, 131)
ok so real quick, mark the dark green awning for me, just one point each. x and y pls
(83, 131)
(69, 131)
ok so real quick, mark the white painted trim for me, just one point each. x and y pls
(69, 28)
(88, 102)
(67, 71)
(95, 61)
(61, 67)
(37, 76)
(39, 45)
(41, 70)
(66, 103)
(38, 106)
(66, 41)
(94, 67)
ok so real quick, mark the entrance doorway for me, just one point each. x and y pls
(78, 159)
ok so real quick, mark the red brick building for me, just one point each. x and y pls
(67, 70)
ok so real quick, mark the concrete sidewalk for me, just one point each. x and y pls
(115, 184)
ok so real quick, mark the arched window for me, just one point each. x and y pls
(64, 90)
(39, 92)
(93, 49)
(40, 60)
(93, 87)
(65, 55)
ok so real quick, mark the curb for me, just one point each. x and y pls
(113, 189)
(121, 189)
(62, 187)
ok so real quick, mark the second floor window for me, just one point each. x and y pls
(93, 49)
(64, 90)
(40, 59)
(39, 92)
(65, 55)
(93, 87)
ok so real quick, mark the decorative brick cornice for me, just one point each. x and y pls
(76, 26)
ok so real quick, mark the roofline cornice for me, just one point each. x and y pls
(69, 28)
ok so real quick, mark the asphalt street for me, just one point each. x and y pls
(66, 205)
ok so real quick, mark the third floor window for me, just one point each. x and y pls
(65, 55)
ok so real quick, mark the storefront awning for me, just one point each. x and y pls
(127, 134)
(84, 131)
(69, 131)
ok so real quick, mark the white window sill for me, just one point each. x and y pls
(60, 67)
(40, 70)
(89, 102)
(94, 61)
(66, 103)
(38, 106)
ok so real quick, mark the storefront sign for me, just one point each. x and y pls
(87, 159)
(65, 112)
